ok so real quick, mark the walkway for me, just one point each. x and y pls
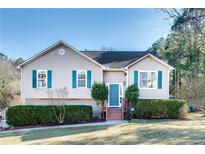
(106, 123)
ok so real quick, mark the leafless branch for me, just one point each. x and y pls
(59, 108)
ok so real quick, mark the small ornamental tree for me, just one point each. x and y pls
(58, 105)
(99, 92)
(132, 93)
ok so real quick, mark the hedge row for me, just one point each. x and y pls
(35, 115)
(176, 109)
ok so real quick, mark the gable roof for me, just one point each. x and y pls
(53, 47)
(152, 56)
(110, 59)
(116, 59)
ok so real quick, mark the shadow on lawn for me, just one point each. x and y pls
(172, 136)
(50, 133)
(137, 132)
(142, 136)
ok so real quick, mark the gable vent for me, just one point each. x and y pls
(61, 52)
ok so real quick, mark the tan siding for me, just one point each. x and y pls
(115, 77)
(151, 64)
(61, 67)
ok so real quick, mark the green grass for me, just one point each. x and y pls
(135, 132)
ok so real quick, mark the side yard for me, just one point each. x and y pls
(135, 132)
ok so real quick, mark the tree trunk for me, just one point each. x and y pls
(103, 113)
(3, 113)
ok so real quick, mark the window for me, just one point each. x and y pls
(81, 79)
(148, 79)
(42, 78)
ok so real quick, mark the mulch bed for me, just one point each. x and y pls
(55, 124)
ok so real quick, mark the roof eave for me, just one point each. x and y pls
(154, 57)
(114, 69)
(53, 46)
(39, 54)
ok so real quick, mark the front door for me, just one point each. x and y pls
(114, 95)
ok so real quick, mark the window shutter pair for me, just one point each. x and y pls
(34, 78)
(74, 79)
(159, 79)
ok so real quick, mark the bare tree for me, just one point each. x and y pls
(56, 97)
(8, 72)
(194, 93)
(8, 94)
(9, 84)
(107, 48)
(191, 18)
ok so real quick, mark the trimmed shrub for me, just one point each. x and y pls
(99, 92)
(127, 116)
(158, 108)
(44, 115)
(132, 93)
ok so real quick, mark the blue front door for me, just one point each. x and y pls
(114, 95)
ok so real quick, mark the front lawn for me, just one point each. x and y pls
(136, 132)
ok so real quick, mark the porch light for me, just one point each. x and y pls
(132, 109)
(124, 83)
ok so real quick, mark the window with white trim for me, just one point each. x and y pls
(81, 78)
(148, 79)
(42, 78)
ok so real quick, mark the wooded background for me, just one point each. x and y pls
(184, 49)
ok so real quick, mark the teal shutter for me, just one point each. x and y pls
(74, 79)
(159, 79)
(34, 76)
(136, 78)
(88, 79)
(49, 81)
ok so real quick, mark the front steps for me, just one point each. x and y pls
(114, 114)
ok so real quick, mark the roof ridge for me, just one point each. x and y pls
(110, 51)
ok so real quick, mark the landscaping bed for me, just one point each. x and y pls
(27, 116)
(169, 132)
(93, 120)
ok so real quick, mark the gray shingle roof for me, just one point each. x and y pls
(116, 59)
